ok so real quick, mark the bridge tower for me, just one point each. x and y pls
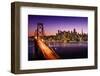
(40, 30)
(39, 33)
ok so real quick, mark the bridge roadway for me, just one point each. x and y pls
(47, 52)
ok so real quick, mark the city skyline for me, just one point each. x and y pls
(54, 23)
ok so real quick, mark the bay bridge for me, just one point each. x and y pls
(41, 48)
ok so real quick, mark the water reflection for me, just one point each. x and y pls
(70, 50)
(72, 44)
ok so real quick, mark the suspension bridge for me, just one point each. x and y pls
(46, 51)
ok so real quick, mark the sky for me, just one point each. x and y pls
(54, 23)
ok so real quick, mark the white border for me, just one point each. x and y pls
(25, 64)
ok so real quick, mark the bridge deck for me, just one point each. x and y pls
(47, 51)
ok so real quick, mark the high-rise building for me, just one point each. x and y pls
(74, 30)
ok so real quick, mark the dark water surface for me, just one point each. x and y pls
(72, 50)
(64, 50)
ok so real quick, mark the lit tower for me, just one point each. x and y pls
(74, 30)
(82, 35)
(82, 32)
(40, 30)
